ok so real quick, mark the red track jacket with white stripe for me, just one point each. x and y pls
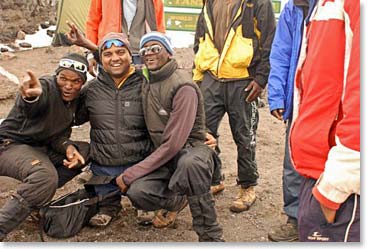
(325, 134)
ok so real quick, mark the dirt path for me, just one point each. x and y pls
(250, 226)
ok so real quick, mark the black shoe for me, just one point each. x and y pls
(285, 232)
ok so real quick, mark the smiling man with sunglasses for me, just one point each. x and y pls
(112, 102)
(34, 140)
(181, 166)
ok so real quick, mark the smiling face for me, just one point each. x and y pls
(116, 62)
(155, 60)
(69, 83)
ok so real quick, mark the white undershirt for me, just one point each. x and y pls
(129, 10)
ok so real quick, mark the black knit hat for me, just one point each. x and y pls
(74, 62)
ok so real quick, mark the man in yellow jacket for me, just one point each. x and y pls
(232, 45)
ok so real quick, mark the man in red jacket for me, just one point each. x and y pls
(325, 135)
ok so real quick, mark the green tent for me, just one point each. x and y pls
(72, 11)
(180, 15)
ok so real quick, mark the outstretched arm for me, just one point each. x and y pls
(77, 38)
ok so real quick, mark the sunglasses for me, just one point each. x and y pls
(108, 44)
(155, 49)
(69, 63)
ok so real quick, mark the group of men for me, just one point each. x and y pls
(152, 128)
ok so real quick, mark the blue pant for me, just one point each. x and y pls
(111, 205)
(291, 182)
(312, 225)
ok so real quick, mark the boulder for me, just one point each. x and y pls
(2, 50)
(7, 56)
(25, 45)
(20, 35)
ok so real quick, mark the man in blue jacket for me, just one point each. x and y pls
(283, 62)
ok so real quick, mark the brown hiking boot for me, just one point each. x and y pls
(284, 233)
(216, 189)
(244, 200)
(100, 220)
(164, 218)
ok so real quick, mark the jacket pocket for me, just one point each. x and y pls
(207, 55)
(241, 50)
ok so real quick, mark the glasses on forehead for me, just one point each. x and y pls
(155, 49)
(108, 44)
(69, 63)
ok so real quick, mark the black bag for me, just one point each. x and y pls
(67, 215)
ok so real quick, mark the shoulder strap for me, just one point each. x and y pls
(100, 198)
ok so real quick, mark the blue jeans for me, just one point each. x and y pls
(291, 182)
(111, 205)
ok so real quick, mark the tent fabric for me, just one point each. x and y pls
(72, 11)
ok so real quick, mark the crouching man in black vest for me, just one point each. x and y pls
(34, 140)
(181, 166)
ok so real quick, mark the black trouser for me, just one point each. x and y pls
(229, 97)
(313, 226)
(189, 174)
(40, 170)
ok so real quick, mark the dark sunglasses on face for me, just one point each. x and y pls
(155, 49)
(108, 44)
(78, 66)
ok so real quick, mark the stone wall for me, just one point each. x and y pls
(24, 15)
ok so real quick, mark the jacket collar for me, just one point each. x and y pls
(164, 72)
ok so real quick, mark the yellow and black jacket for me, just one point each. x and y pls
(247, 45)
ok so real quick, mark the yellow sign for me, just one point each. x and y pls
(176, 20)
(196, 4)
(181, 21)
(277, 6)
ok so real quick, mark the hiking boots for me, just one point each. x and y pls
(100, 220)
(144, 218)
(216, 189)
(285, 232)
(164, 218)
(244, 200)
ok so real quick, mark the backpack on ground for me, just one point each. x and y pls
(67, 215)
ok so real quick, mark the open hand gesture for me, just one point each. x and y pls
(73, 157)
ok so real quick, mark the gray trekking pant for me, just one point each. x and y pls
(188, 173)
(187, 176)
(39, 169)
(229, 97)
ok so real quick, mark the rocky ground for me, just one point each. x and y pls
(250, 226)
